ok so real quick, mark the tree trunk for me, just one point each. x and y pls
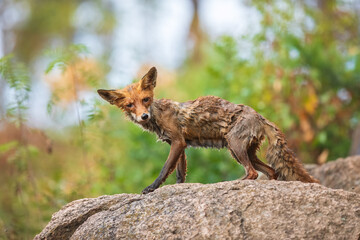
(355, 143)
(196, 35)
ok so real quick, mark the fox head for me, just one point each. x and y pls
(135, 99)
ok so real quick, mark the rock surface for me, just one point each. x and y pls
(227, 210)
(344, 173)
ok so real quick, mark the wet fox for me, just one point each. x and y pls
(206, 122)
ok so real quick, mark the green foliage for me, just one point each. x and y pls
(17, 153)
(7, 146)
(17, 77)
(305, 80)
(311, 70)
(63, 57)
(297, 72)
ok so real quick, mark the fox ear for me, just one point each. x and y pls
(148, 81)
(110, 95)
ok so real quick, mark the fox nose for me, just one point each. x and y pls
(144, 116)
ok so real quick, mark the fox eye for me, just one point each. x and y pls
(129, 105)
(146, 99)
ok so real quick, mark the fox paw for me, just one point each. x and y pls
(148, 189)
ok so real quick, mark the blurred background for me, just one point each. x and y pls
(295, 62)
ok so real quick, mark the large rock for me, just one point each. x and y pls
(344, 173)
(227, 210)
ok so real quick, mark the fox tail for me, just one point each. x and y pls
(282, 159)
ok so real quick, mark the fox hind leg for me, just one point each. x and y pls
(258, 164)
(181, 168)
(238, 151)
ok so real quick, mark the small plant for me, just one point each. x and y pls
(18, 153)
(17, 77)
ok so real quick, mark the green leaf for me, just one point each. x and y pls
(8, 146)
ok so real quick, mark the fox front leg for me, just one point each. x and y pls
(177, 147)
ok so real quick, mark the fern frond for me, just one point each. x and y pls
(62, 57)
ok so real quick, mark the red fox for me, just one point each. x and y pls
(206, 122)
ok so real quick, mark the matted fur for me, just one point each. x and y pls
(209, 122)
